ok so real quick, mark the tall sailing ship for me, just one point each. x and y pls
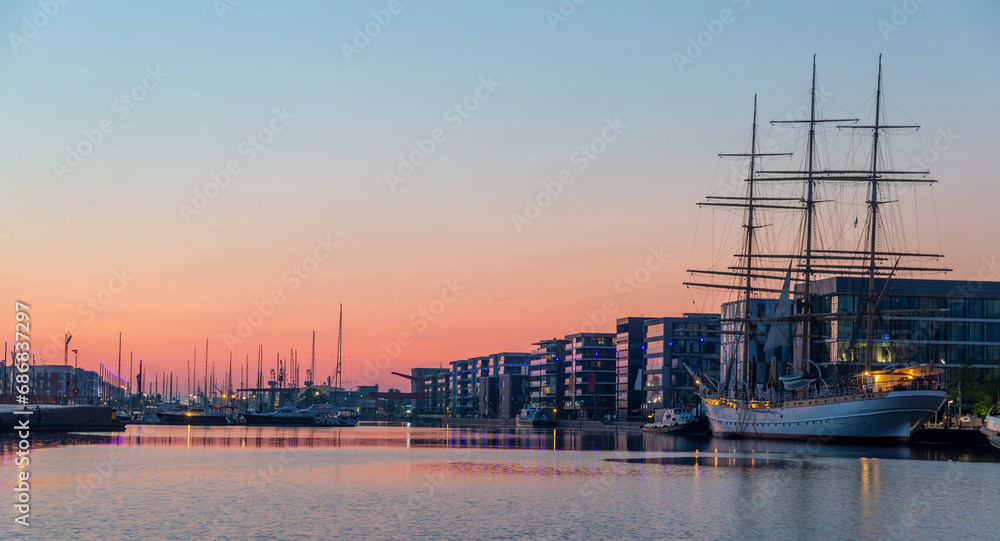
(787, 394)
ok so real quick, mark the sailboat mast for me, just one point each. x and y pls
(749, 247)
(810, 211)
(873, 206)
(338, 383)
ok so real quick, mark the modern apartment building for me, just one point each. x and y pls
(953, 322)
(589, 372)
(547, 371)
(629, 350)
(670, 343)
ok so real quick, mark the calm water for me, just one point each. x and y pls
(426, 483)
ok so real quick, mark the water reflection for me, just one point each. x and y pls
(508, 439)
(716, 461)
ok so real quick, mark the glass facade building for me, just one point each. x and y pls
(670, 343)
(953, 322)
(629, 350)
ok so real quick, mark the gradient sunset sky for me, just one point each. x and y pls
(442, 238)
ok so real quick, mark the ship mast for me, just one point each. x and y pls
(747, 275)
(873, 211)
(338, 378)
(875, 177)
(812, 259)
(808, 269)
(810, 211)
(749, 248)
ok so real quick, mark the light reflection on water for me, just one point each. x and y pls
(427, 483)
(531, 439)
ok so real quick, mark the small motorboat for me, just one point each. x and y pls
(672, 420)
(283, 416)
(991, 426)
(322, 415)
(532, 417)
(348, 417)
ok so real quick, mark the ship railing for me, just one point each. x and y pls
(773, 398)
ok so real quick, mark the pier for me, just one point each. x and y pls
(52, 418)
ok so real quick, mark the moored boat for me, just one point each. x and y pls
(198, 415)
(348, 417)
(673, 420)
(533, 417)
(283, 416)
(991, 426)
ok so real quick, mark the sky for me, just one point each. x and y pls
(465, 178)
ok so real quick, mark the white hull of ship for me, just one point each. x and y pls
(886, 416)
(994, 438)
(991, 429)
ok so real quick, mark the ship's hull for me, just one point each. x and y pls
(666, 429)
(991, 429)
(884, 416)
(182, 419)
(696, 427)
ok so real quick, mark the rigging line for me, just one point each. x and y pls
(697, 224)
(734, 141)
(936, 222)
(795, 101)
(899, 109)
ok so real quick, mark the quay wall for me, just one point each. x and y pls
(47, 418)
